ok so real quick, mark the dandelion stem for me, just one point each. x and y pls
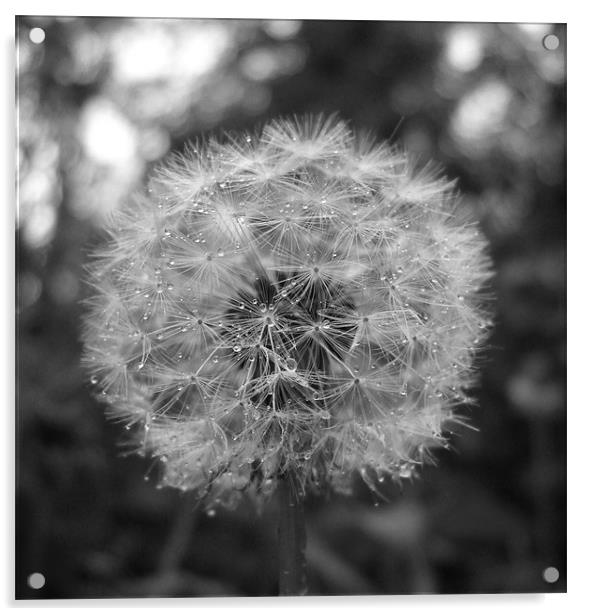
(292, 538)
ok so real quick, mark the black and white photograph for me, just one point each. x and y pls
(290, 307)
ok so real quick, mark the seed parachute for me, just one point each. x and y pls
(299, 301)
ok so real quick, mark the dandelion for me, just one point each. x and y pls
(288, 309)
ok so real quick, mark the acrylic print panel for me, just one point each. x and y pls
(291, 308)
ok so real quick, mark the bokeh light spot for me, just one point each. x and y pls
(107, 135)
(481, 112)
(464, 48)
(40, 224)
(534, 30)
(282, 28)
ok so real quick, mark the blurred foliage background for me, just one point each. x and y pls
(100, 101)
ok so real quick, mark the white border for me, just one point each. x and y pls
(427, 10)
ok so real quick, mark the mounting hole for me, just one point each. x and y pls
(551, 575)
(551, 42)
(36, 581)
(37, 35)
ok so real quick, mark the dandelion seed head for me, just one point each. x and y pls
(299, 301)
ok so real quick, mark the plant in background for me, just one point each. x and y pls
(284, 311)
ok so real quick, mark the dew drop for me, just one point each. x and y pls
(94, 380)
(220, 252)
(237, 349)
(406, 471)
(291, 364)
